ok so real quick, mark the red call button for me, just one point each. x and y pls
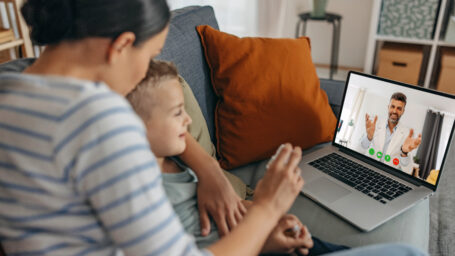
(396, 161)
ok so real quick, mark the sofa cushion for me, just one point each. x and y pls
(269, 94)
(184, 49)
(198, 129)
(334, 90)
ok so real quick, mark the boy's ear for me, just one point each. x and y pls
(120, 46)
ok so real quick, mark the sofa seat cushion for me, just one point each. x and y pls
(411, 227)
(269, 94)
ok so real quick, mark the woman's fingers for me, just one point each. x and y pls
(306, 237)
(288, 222)
(294, 160)
(300, 182)
(303, 251)
(291, 165)
(282, 157)
(282, 181)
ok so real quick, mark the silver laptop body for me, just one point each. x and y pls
(349, 200)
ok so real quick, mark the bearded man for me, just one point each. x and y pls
(388, 140)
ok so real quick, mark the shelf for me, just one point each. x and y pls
(404, 40)
(447, 44)
(11, 44)
(431, 49)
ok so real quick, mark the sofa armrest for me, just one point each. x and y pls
(335, 91)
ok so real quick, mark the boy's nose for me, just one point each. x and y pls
(188, 119)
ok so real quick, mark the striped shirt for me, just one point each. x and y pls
(77, 176)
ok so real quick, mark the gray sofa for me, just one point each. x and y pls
(412, 227)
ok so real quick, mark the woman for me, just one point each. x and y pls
(77, 176)
(77, 173)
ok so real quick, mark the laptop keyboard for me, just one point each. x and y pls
(367, 181)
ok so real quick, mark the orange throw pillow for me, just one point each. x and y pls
(269, 94)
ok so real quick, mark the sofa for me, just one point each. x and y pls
(183, 47)
(413, 227)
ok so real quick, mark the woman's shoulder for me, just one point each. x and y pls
(96, 104)
(70, 93)
(64, 87)
(66, 101)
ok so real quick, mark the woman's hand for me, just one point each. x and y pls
(285, 239)
(282, 181)
(217, 198)
(274, 195)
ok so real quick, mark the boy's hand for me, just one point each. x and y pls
(217, 198)
(215, 195)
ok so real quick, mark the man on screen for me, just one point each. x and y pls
(389, 141)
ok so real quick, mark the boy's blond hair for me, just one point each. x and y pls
(142, 98)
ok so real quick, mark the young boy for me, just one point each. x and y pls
(159, 101)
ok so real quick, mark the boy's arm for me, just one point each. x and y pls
(216, 196)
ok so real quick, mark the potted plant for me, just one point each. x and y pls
(319, 7)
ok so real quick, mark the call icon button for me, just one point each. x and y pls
(379, 154)
(371, 151)
(387, 158)
(396, 161)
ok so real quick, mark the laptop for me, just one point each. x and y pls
(387, 154)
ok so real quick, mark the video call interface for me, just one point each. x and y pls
(402, 127)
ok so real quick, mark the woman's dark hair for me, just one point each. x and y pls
(54, 21)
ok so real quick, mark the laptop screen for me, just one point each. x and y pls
(402, 126)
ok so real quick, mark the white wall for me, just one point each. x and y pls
(238, 17)
(355, 26)
(241, 17)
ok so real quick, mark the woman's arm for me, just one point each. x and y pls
(216, 196)
(274, 195)
(242, 241)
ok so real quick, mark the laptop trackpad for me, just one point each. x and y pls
(326, 190)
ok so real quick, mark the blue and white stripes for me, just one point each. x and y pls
(76, 174)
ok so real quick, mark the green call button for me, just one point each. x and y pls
(387, 158)
(379, 154)
(371, 151)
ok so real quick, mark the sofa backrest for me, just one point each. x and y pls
(335, 93)
(183, 47)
